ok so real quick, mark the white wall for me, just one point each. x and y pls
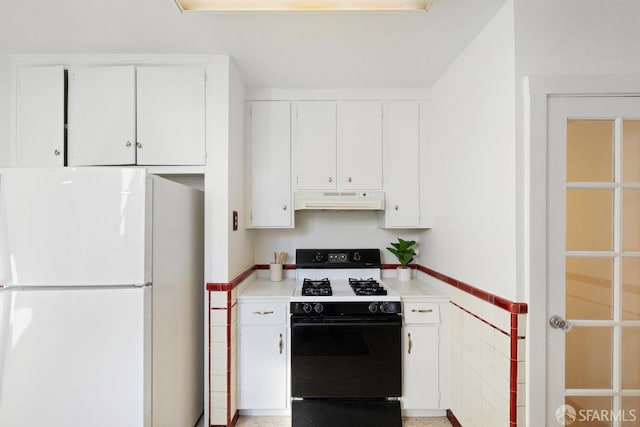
(472, 146)
(5, 101)
(328, 229)
(240, 243)
(577, 37)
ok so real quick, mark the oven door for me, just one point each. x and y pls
(346, 357)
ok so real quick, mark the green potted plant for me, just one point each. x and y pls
(403, 250)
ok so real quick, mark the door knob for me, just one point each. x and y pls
(558, 322)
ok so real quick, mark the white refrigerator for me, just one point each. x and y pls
(101, 290)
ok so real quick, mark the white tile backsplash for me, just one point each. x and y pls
(481, 362)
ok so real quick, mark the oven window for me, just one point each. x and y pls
(346, 359)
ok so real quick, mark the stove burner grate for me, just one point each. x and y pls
(366, 287)
(321, 287)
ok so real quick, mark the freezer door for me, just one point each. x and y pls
(74, 358)
(74, 226)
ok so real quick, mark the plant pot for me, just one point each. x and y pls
(404, 274)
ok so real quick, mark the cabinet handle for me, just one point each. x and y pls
(349, 179)
(56, 152)
(410, 343)
(128, 144)
(284, 207)
(395, 207)
(262, 313)
(430, 310)
(138, 145)
(330, 179)
(280, 344)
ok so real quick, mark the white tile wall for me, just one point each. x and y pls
(481, 363)
(223, 401)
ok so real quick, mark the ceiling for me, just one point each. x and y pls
(277, 50)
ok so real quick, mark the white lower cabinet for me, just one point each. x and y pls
(263, 374)
(421, 362)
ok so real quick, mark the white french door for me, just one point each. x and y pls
(593, 334)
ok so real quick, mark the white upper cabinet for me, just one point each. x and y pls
(269, 164)
(402, 164)
(359, 145)
(337, 145)
(123, 115)
(39, 130)
(170, 115)
(314, 135)
(102, 116)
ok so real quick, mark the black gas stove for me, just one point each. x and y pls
(346, 361)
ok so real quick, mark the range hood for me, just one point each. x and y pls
(339, 200)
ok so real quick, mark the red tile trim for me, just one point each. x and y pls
(219, 287)
(480, 319)
(266, 266)
(235, 419)
(209, 355)
(452, 419)
(503, 303)
(513, 372)
(229, 415)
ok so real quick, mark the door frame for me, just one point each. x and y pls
(537, 91)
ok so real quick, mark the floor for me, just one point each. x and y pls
(286, 422)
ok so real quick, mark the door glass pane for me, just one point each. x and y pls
(630, 351)
(588, 357)
(589, 219)
(590, 150)
(590, 410)
(631, 151)
(630, 288)
(630, 411)
(631, 220)
(589, 288)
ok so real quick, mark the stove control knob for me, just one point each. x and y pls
(318, 308)
(357, 256)
(373, 307)
(319, 256)
(384, 307)
(306, 307)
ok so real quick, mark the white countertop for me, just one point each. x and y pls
(265, 288)
(413, 289)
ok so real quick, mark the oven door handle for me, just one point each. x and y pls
(358, 323)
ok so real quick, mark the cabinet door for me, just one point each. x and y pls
(270, 164)
(40, 116)
(402, 164)
(420, 367)
(263, 367)
(101, 115)
(314, 142)
(360, 145)
(171, 115)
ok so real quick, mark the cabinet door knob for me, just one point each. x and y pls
(56, 152)
(128, 144)
(280, 344)
(349, 179)
(330, 179)
(138, 145)
(284, 207)
(395, 207)
(410, 343)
